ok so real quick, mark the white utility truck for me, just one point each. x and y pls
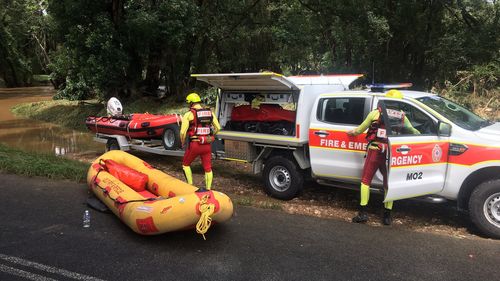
(292, 127)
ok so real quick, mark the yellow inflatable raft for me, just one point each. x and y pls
(166, 203)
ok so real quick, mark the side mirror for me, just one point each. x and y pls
(444, 129)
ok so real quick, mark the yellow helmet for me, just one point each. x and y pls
(193, 98)
(395, 94)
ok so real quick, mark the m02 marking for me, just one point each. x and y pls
(414, 176)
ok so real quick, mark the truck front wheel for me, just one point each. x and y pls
(282, 178)
(484, 208)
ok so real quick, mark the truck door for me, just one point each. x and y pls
(417, 161)
(333, 153)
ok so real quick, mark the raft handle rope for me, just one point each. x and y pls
(97, 119)
(128, 131)
(206, 211)
(103, 119)
(178, 118)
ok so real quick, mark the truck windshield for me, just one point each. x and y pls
(455, 113)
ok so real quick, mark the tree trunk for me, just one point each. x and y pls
(152, 80)
(14, 73)
(117, 9)
(204, 50)
(189, 46)
(348, 54)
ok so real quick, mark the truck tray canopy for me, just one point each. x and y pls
(266, 81)
(343, 80)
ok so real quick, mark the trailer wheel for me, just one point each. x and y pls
(484, 208)
(171, 139)
(282, 177)
(112, 144)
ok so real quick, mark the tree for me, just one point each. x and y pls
(24, 43)
(127, 48)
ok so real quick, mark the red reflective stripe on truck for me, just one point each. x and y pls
(415, 154)
(297, 131)
(428, 152)
(337, 140)
(476, 154)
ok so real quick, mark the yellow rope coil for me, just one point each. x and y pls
(206, 211)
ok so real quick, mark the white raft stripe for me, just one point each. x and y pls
(50, 269)
(24, 274)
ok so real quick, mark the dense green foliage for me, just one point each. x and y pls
(24, 40)
(127, 48)
(44, 165)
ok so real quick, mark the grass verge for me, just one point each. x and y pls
(44, 165)
(253, 202)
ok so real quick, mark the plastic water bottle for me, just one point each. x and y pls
(86, 219)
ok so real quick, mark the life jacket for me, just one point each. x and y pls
(377, 130)
(201, 126)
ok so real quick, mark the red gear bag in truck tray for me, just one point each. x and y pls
(266, 112)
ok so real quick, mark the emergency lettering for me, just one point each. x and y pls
(329, 143)
(395, 113)
(357, 145)
(343, 144)
(109, 183)
(204, 113)
(406, 160)
(202, 131)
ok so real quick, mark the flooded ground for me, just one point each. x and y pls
(32, 135)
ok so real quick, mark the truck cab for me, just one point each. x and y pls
(455, 155)
(416, 158)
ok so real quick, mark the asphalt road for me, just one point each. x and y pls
(42, 238)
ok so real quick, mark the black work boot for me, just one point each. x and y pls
(362, 216)
(387, 220)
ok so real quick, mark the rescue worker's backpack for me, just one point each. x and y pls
(201, 127)
(377, 129)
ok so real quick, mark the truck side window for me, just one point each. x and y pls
(419, 120)
(341, 110)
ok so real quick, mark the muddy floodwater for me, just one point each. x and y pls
(38, 136)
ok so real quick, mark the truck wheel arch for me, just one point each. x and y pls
(472, 181)
(300, 155)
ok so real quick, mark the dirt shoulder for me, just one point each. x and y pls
(236, 180)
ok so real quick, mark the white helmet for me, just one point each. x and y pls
(114, 107)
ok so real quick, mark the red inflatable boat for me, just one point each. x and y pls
(135, 126)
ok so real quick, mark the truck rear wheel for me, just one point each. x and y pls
(282, 178)
(484, 208)
(171, 139)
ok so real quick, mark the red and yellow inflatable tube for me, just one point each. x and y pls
(167, 204)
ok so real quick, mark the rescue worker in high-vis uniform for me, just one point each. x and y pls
(377, 152)
(198, 128)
